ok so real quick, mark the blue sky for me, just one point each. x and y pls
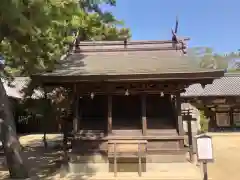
(212, 23)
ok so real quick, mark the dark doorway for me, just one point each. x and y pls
(93, 112)
(126, 112)
(160, 112)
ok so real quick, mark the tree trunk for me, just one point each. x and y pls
(45, 139)
(11, 144)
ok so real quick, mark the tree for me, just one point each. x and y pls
(34, 34)
(233, 61)
(207, 58)
(29, 31)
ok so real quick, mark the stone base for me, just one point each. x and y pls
(156, 171)
(97, 166)
(87, 164)
(88, 168)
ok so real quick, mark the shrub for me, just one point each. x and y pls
(203, 122)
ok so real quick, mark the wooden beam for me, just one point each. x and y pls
(144, 114)
(109, 113)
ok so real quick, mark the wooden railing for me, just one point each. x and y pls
(126, 149)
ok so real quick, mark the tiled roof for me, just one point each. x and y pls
(229, 85)
(137, 57)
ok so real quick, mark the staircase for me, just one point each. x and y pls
(165, 147)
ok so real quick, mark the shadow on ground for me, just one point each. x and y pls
(42, 163)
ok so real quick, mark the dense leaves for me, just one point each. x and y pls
(38, 33)
(207, 58)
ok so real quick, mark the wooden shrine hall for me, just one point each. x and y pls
(127, 98)
(219, 101)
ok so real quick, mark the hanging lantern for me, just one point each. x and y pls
(127, 93)
(92, 95)
(162, 94)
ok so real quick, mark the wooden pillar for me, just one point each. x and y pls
(46, 116)
(179, 118)
(212, 118)
(190, 134)
(144, 114)
(109, 113)
(75, 110)
(231, 118)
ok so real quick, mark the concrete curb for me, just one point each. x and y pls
(224, 134)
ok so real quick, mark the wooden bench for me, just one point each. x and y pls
(127, 148)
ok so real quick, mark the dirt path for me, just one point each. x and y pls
(45, 163)
(227, 157)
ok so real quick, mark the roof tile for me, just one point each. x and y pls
(229, 85)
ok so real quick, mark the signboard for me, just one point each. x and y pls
(204, 148)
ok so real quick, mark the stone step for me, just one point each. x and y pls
(166, 158)
(162, 132)
(163, 144)
(167, 151)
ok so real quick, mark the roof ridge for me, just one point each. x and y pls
(134, 42)
(232, 74)
(126, 46)
(167, 48)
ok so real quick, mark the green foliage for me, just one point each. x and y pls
(203, 122)
(34, 34)
(233, 58)
(207, 58)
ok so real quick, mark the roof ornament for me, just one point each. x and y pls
(174, 32)
(177, 40)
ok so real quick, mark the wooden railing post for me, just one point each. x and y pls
(139, 160)
(115, 160)
(190, 135)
